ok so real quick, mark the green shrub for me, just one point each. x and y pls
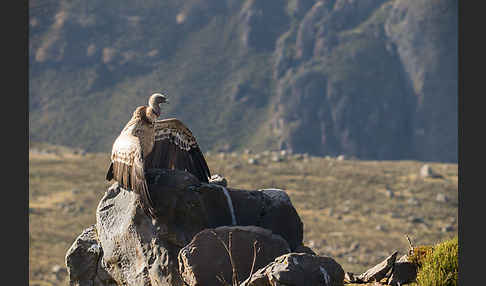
(440, 265)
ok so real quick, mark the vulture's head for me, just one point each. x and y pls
(155, 100)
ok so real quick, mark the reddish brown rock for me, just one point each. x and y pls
(202, 260)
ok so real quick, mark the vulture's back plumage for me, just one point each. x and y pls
(146, 143)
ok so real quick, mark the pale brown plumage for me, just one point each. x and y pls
(146, 143)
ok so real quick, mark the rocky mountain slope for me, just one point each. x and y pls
(374, 79)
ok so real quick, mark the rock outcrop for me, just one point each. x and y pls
(126, 247)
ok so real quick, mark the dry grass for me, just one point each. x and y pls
(340, 202)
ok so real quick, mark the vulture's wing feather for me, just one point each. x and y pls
(127, 168)
(139, 184)
(176, 148)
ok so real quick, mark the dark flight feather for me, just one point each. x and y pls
(176, 148)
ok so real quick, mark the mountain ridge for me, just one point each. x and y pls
(372, 79)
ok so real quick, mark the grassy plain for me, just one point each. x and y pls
(356, 211)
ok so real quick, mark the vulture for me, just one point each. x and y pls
(146, 143)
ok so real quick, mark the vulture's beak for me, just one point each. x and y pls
(165, 99)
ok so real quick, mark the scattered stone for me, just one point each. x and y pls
(389, 193)
(298, 269)
(218, 180)
(442, 198)
(380, 227)
(351, 259)
(341, 157)
(247, 151)
(447, 228)
(253, 161)
(225, 148)
(413, 201)
(330, 212)
(377, 272)
(277, 158)
(57, 269)
(415, 219)
(427, 172)
(235, 166)
(59, 272)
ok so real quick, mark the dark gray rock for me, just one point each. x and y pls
(270, 209)
(404, 272)
(299, 269)
(207, 247)
(135, 250)
(427, 172)
(82, 261)
(377, 272)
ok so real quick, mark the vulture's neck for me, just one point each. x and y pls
(151, 114)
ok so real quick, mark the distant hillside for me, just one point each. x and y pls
(374, 79)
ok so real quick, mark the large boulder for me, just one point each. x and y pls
(271, 209)
(299, 269)
(208, 246)
(136, 251)
(131, 248)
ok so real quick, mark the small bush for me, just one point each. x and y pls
(440, 265)
(418, 255)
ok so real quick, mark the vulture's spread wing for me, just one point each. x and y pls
(127, 168)
(176, 148)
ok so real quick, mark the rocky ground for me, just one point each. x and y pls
(354, 211)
